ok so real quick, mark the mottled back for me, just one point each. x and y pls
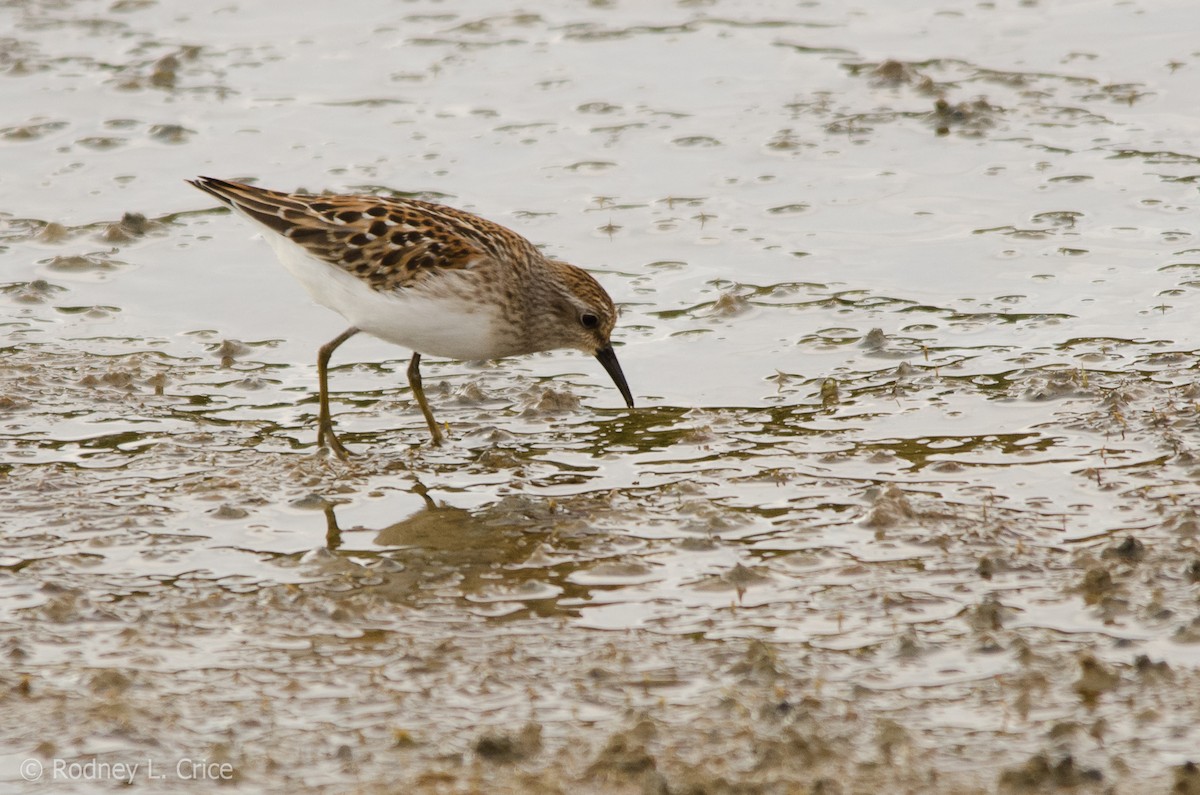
(389, 243)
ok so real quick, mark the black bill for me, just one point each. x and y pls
(608, 358)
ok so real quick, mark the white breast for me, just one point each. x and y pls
(446, 323)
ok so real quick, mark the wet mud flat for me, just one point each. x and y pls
(909, 502)
(185, 594)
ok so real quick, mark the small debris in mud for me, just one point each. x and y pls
(37, 291)
(760, 663)
(1151, 671)
(1040, 775)
(830, 394)
(227, 511)
(625, 755)
(403, 738)
(986, 567)
(230, 350)
(729, 305)
(1186, 779)
(893, 73)
(496, 458)
(553, 401)
(785, 140)
(109, 681)
(53, 232)
(469, 394)
(896, 73)
(163, 75)
(889, 509)
(81, 263)
(1095, 679)
(891, 738)
(874, 340)
(1189, 633)
(171, 133)
(12, 403)
(697, 434)
(1097, 583)
(1193, 571)
(509, 748)
(972, 117)
(117, 379)
(742, 577)
(1186, 523)
(1129, 550)
(312, 502)
(908, 646)
(988, 615)
(130, 227)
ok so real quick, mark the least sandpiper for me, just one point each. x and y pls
(433, 279)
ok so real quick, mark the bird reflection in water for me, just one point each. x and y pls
(479, 555)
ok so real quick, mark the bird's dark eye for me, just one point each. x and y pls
(588, 320)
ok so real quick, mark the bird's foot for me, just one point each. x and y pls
(328, 440)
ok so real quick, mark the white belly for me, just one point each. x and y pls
(437, 324)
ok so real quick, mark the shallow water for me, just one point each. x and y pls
(908, 503)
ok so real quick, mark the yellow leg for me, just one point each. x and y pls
(325, 434)
(414, 380)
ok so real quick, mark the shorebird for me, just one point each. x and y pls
(433, 279)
